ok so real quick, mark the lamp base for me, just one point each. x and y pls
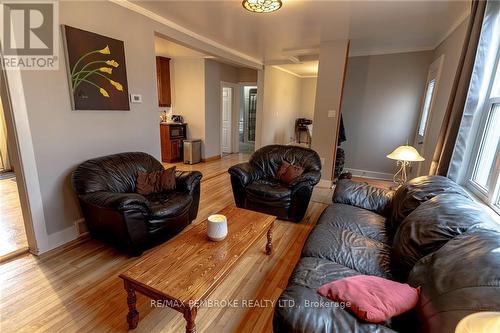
(400, 177)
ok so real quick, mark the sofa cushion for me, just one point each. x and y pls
(362, 195)
(314, 272)
(460, 278)
(302, 309)
(358, 220)
(371, 298)
(410, 195)
(168, 204)
(155, 181)
(350, 249)
(268, 189)
(434, 223)
(287, 172)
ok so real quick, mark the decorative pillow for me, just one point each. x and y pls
(288, 172)
(372, 298)
(156, 181)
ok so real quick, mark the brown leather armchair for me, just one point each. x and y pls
(255, 186)
(105, 187)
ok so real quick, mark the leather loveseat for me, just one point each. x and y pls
(429, 233)
(105, 187)
(255, 186)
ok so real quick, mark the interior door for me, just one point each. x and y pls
(227, 102)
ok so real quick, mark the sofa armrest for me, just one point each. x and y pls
(363, 195)
(244, 172)
(187, 180)
(310, 178)
(117, 201)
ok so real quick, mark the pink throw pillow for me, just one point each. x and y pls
(373, 299)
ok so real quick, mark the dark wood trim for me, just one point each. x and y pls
(340, 110)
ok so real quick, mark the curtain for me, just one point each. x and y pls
(455, 109)
(483, 74)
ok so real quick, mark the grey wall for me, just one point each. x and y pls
(187, 77)
(451, 48)
(382, 100)
(331, 72)
(281, 104)
(308, 96)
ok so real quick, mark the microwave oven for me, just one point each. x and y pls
(177, 131)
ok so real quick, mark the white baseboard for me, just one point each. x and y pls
(65, 236)
(59, 238)
(370, 174)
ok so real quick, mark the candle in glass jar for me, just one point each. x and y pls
(217, 227)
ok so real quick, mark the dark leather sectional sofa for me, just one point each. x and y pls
(429, 233)
(105, 187)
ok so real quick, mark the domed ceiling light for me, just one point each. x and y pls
(262, 6)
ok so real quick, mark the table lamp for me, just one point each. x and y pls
(404, 155)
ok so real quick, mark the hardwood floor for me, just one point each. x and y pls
(12, 233)
(212, 168)
(78, 290)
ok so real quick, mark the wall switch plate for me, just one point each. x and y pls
(332, 113)
(135, 98)
(322, 159)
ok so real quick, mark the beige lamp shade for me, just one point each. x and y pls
(479, 322)
(405, 153)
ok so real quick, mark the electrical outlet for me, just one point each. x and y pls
(332, 113)
(322, 159)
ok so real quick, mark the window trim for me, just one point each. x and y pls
(490, 195)
(434, 73)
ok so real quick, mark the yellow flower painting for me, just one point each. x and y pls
(96, 71)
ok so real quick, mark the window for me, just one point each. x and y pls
(427, 106)
(484, 169)
(430, 90)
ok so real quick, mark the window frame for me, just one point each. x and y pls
(491, 194)
(434, 73)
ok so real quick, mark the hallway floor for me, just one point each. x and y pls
(247, 147)
(12, 232)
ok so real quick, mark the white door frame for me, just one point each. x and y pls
(235, 99)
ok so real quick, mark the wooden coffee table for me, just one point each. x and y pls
(186, 270)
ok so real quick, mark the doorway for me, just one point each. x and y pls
(247, 119)
(227, 95)
(12, 231)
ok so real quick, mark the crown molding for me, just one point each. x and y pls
(375, 52)
(452, 28)
(293, 73)
(162, 20)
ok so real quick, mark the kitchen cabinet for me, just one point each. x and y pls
(172, 136)
(163, 81)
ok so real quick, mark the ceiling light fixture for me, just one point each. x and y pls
(262, 6)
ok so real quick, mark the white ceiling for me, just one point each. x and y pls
(374, 27)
